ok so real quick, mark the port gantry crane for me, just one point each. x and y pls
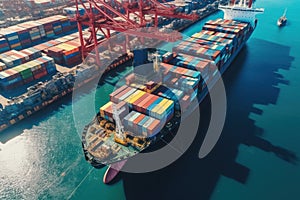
(108, 15)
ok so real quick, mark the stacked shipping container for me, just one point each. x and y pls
(14, 58)
(218, 40)
(4, 46)
(11, 37)
(34, 31)
(106, 111)
(142, 125)
(67, 53)
(31, 33)
(27, 72)
(149, 104)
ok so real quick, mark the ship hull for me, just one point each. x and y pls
(112, 171)
(281, 23)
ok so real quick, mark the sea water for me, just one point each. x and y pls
(255, 158)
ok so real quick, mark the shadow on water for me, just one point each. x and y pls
(247, 83)
(113, 77)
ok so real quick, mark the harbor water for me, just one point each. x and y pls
(255, 158)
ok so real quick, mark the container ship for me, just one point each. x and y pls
(149, 106)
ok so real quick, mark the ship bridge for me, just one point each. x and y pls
(241, 12)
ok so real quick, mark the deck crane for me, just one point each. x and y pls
(120, 133)
(108, 15)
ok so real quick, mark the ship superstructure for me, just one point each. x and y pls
(241, 12)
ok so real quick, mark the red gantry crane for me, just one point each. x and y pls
(108, 15)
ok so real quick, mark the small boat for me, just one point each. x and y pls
(282, 20)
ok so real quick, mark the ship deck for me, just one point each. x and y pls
(101, 145)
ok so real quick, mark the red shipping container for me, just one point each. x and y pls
(136, 103)
(117, 91)
(115, 99)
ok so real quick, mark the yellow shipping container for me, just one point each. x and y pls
(131, 96)
(68, 47)
(106, 105)
(211, 37)
(136, 97)
(214, 46)
(197, 35)
(166, 106)
(160, 106)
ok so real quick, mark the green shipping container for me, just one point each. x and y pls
(26, 75)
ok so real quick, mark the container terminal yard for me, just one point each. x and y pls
(40, 59)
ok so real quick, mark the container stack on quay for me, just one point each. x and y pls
(11, 37)
(22, 46)
(66, 53)
(2, 66)
(24, 67)
(24, 36)
(48, 26)
(14, 58)
(34, 31)
(31, 33)
(32, 53)
(4, 46)
(10, 78)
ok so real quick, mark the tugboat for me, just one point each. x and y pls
(282, 20)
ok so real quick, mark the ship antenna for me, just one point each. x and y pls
(119, 126)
